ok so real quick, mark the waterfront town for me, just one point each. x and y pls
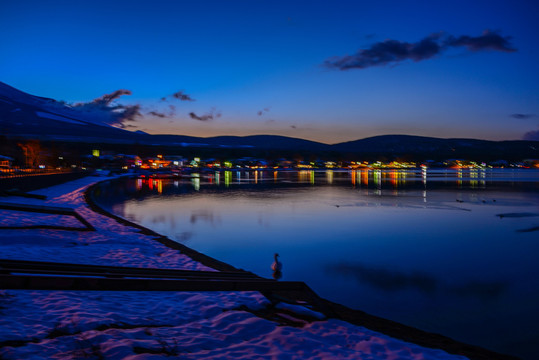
(32, 157)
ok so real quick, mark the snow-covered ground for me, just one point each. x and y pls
(155, 325)
(111, 244)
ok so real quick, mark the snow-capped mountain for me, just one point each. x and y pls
(25, 115)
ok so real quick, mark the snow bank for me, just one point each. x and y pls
(156, 325)
(111, 244)
(153, 325)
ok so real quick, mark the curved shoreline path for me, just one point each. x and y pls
(187, 324)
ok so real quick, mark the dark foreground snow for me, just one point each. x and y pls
(153, 325)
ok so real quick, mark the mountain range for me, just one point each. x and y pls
(33, 117)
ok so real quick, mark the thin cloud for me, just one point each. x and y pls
(160, 114)
(489, 40)
(129, 113)
(263, 111)
(206, 117)
(522, 116)
(108, 98)
(194, 116)
(180, 95)
(157, 114)
(394, 51)
(105, 111)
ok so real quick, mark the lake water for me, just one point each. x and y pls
(447, 251)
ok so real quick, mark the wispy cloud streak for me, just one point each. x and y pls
(393, 51)
(522, 116)
(206, 117)
(105, 111)
(263, 111)
(180, 95)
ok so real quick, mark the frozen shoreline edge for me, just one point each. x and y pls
(329, 308)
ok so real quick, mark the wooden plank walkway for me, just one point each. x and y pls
(52, 268)
(34, 282)
(16, 274)
(54, 210)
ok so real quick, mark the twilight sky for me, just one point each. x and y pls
(325, 71)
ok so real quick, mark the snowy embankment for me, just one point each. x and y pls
(112, 243)
(153, 325)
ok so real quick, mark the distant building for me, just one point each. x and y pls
(177, 160)
(130, 161)
(5, 161)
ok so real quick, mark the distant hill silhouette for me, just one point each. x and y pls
(27, 116)
(440, 148)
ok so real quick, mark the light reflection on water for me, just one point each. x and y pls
(425, 248)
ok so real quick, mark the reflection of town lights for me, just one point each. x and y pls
(365, 177)
(377, 177)
(195, 180)
(393, 174)
(329, 176)
(304, 175)
(228, 178)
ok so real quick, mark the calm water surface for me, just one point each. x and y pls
(428, 249)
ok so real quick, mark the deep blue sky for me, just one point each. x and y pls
(237, 58)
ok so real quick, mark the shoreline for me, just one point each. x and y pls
(329, 308)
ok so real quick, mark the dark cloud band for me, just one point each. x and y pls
(104, 111)
(394, 51)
